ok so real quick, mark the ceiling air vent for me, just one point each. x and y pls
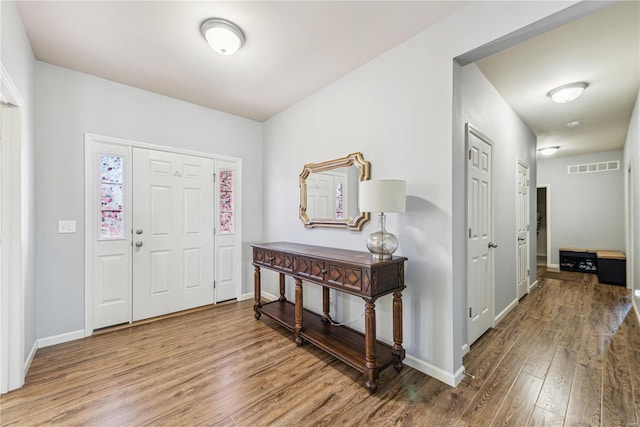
(594, 167)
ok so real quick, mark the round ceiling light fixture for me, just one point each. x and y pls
(574, 124)
(567, 93)
(223, 36)
(548, 151)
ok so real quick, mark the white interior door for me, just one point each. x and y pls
(173, 259)
(228, 240)
(320, 195)
(522, 229)
(479, 257)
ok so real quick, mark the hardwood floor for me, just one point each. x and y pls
(569, 354)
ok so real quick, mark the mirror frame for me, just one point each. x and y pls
(353, 159)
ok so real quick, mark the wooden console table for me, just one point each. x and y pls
(347, 271)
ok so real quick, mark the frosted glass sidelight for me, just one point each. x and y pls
(111, 197)
(339, 201)
(227, 214)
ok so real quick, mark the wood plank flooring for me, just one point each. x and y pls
(568, 354)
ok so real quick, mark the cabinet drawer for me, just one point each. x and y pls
(344, 276)
(311, 268)
(283, 262)
(262, 256)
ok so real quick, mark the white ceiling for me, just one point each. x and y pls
(293, 48)
(602, 49)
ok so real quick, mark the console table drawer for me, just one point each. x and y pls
(262, 256)
(282, 261)
(311, 268)
(348, 277)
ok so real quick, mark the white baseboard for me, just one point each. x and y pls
(506, 311)
(246, 296)
(435, 372)
(635, 307)
(533, 285)
(30, 356)
(268, 296)
(58, 339)
(553, 266)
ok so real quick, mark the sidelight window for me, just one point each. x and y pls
(227, 213)
(111, 197)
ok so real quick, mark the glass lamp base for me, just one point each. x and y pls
(382, 244)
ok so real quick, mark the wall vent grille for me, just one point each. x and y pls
(613, 165)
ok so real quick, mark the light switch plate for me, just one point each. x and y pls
(66, 226)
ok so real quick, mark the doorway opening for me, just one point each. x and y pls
(543, 226)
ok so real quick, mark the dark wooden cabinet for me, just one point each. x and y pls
(353, 272)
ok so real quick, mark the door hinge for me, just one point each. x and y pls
(214, 284)
(470, 312)
(214, 177)
(469, 233)
(469, 154)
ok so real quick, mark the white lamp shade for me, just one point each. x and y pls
(382, 195)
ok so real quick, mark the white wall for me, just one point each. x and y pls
(398, 111)
(71, 103)
(587, 210)
(18, 60)
(632, 161)
(488, 112)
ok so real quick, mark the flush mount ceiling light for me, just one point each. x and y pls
(223, 36)
(574, 124)
(567, 93)
(548, 151)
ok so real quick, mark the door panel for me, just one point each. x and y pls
(228, 237)
(110, 226)
(173, 212)
(480, 260)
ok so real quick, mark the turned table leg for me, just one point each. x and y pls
(397, 349)
(325, 305)
(282, 297)
(371, 370)
(298, 313)
(257, 305)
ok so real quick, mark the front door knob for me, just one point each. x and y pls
(493, 245)
(138, 244)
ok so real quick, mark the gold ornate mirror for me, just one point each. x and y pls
(329, 193)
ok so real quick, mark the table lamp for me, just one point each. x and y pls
(382, 195)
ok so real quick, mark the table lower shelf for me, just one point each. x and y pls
(341, 342)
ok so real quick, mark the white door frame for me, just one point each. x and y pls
(89, 232)
(12, 293)
(520, 162)
(548, 218)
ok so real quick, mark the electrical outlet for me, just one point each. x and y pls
(66, 226)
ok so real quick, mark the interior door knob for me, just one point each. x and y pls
(493, 245)
(138, 244)
(139, 231)
(520, 239)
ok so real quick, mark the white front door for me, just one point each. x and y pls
(228, 243)
(522, 229)
(479, 257)
(172, 232)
